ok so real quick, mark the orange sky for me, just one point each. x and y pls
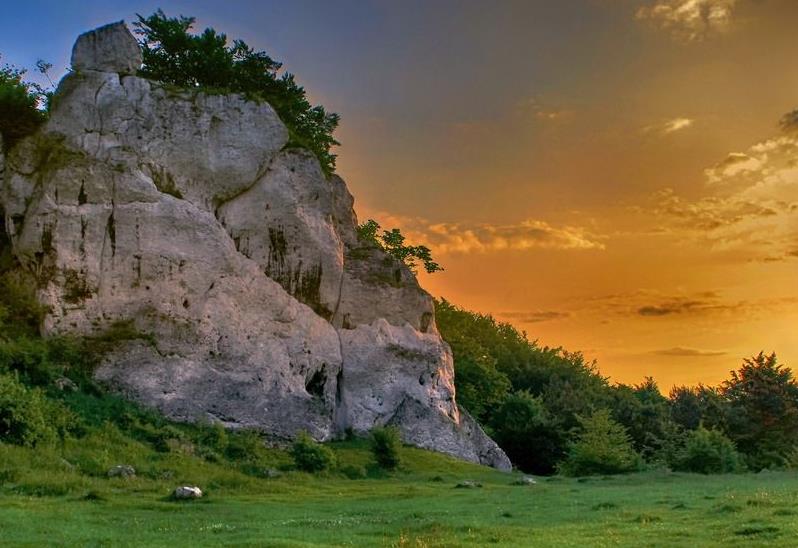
(608, 175)
(635, 199)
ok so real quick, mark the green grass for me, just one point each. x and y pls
(62, 497)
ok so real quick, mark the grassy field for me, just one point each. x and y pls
(50, 502)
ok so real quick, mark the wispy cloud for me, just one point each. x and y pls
(534, 316)
(543, 111)
(669, 126)
(526, 235)
(681, 352)
(676, 124)
(689, 20)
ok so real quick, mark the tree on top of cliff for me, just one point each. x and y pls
(19, 105)
(393, 243)
(173, 55)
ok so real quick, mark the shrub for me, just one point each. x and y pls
(310, 456)
(175, 56)
(19, 102)
(243, 444)
(393, 243)
(27, 417)
(385, 444)
(708, 452)
(602, 447)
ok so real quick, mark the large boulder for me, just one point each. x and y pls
(226, 266)
(110, 49)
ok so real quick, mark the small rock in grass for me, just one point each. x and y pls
(187, 492)
(468, 484)
(66, 385)
(122, 471)
(272, 473)
(525, 480)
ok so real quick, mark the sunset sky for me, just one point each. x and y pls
(618, 177)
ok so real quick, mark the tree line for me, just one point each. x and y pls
(552, 411)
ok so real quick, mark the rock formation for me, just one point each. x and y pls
(185, 214)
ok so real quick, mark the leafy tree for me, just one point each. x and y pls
(205, 61)
(20, 114)
(393, 243)
(524, 429)
(708, 452)
(644, 412)
(602, 447)
(762, 410)
(385, 445)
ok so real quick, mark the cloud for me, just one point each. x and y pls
(681, 305)
(669, 126)
(544, 112)
(751, 201)
(789, 122)
(676, 124)
(689, 20)
(448, 238)
(681, 352)
(534, 316)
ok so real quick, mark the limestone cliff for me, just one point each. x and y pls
(186, 214)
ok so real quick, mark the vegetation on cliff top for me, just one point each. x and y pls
(205, 61)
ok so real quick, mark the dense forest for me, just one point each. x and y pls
(552, 410)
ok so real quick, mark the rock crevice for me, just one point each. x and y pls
(183, 213)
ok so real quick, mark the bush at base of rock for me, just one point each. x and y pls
(310, 456)
(385, 444)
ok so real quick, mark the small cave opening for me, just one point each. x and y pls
(315, 386)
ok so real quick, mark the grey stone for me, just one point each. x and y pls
(525, 480)
(65, 385)
(111, 48)
(122, 471)
(187, 492)
(468, 484)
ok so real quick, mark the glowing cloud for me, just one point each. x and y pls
(689, 20)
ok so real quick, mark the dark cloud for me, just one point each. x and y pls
(681, 352)
(789, 122)
(675, 307)
(534, 316)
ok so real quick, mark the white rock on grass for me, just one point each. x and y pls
(122, 471)
(187, 492)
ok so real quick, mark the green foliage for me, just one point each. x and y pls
(310, 456)
(19, 106)
(205, 61)
(393, 243)
(27, 416)
(708, 452)
(762, 412)
(644, 412)
(20, 311)
(493, 360)
(522, 426)
(602, 447)
(385, 444)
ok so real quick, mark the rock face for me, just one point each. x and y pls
(184, 216)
